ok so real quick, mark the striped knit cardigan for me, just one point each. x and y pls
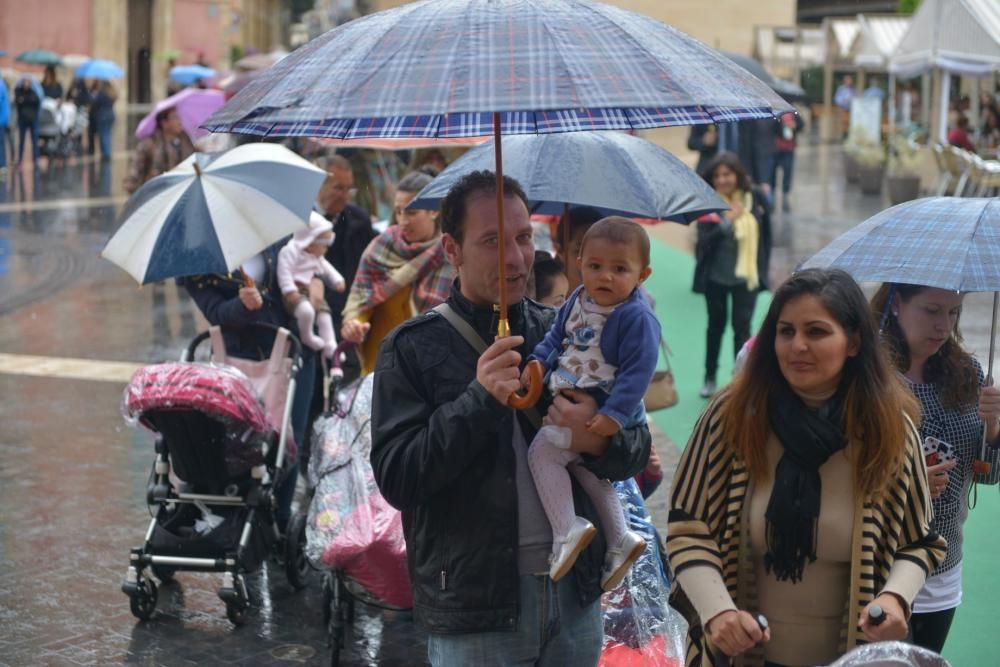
(708, 526)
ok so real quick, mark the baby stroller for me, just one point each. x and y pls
(222, 442)
(60, 128)
(352, 533)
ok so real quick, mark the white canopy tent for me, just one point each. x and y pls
(877, 40)
(957, 36)
(950, 37)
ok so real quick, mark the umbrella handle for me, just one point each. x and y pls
(531, 394)
(247, 280)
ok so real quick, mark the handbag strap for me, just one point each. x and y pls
(466, 331)
(667, 352)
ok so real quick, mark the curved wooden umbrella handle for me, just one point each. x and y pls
(531, 394)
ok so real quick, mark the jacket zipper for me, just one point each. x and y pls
(444, 580)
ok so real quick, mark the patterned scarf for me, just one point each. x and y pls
(390, 264)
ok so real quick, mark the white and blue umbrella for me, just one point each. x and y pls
(105, 70)
(213, 212)
(615, 173)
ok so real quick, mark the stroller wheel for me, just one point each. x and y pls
(143, 601)
(297, 566)
(164, 574)
(237, 612)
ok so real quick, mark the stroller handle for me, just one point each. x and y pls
(295, 348)
(333, 379)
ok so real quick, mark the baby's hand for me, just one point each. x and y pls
(602, 425)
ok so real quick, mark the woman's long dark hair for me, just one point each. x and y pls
(951, 369)
(732, 161)
(875, 400)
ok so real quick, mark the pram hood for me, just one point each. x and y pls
(221, 392)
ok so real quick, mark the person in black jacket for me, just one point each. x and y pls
(733, 254)
(28, 104)
(352, 229)
(451, 455)
(225, 300)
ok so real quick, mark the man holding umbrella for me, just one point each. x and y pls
(449, 452)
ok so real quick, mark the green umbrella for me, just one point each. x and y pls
(39, 57)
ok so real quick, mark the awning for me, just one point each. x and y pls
(958, 36)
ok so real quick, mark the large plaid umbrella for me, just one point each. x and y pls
(947, 242)
(450, 68)
(440, 68)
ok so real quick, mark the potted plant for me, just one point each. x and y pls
(904, 170)
(858, 143)
(850, 162)
(870, 158)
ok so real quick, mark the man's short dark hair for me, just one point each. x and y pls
(619, 230)
(454, 204)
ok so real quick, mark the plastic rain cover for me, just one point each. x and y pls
(350, 526)
(640, 628)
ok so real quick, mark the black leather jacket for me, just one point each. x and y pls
(442, 453)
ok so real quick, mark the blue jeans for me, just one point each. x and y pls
(25, 128)
(305, 381)
(104, 132)
(552, 630)
(785, 160)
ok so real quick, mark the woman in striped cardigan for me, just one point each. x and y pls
(802, 494)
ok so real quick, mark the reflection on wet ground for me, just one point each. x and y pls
(73, 477)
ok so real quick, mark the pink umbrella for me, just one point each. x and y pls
(193, 105)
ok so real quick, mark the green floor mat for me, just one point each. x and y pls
(973, 640)
(684, 319)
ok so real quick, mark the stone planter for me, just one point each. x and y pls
(870, 178)
(903, 188)
(850, 168)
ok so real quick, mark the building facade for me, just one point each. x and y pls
(143, 35)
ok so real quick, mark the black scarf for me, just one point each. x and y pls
(809, 437)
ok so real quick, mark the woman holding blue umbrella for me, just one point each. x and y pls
(925, 343)
(102, 112)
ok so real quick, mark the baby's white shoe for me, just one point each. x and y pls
(565, 550)
(618, 561)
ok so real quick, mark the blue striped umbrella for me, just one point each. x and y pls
(440, 68)
(616, 173)
(948, 242)
(211, 213)
(952, 243)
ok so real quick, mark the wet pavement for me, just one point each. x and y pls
(73, 475)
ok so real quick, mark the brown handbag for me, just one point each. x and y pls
(662, 391)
